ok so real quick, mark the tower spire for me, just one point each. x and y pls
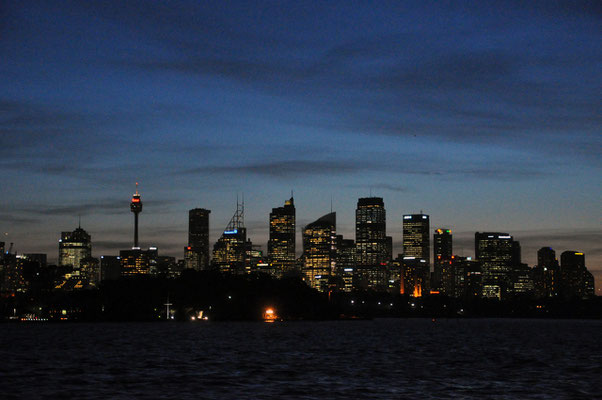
(136, 208)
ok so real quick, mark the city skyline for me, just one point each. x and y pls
(485, 116)
(237, 221)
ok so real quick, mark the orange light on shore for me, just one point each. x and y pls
(269, 315)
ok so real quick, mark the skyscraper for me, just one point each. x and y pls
(546, 273)
(136, 208)
(197, 251)
(281, 244)
(74, 247)
(416, 241)
(110, 268)
(346, 263)
(443, 251)
(575, 280)
(229, 252)
(496, 252)
(546, 257)
(135, 262)
(319, 251)
(370, 232)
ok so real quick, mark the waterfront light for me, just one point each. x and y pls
(269, 315)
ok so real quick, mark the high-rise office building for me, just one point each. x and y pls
(196, 253)
(319, 251)
(110, 268)
(443, 251)
(496, 252)
(281, 244)
(90, 272)
(230, 250)
(135, 262)
(415, 276)
(546, 257)
(371, 232)
(546, 273)
(346, 263)
(74, 247)
(416, 241)
(136, 208)
(575, 280)
(468, 278)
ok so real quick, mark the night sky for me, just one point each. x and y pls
(485, 115)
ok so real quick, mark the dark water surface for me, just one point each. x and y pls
(396, 358)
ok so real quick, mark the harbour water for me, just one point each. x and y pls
(379, 359)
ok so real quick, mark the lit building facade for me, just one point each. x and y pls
(416, 241)
(281, 244)
(319, 251)
(230, 250)
(496, 253)
(346, 262)
(442, 252)
(74, 247)
(415, 276)
(90, 272)
(371, 232)
(198, 239)
(138, 262)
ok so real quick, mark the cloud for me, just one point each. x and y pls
(284, 169)
(15, 219)
(382, 186)
(100, 207)
(409, 165)
(472, 83)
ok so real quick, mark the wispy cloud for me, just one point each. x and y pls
(100, 207)
(381, 186)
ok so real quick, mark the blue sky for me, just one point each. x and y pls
(486, 115)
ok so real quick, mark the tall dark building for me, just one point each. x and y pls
(416, 237)
(136, 208)
(197, 251)
(346, 262)
(546, 273)
(443, 251)
(496, 252)
(575, 280)
(230, 250)
(467, 277)
(546, 257)
(110, 268)
(371, 232)
(281, 244)
(74, 247)
(319, 251)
